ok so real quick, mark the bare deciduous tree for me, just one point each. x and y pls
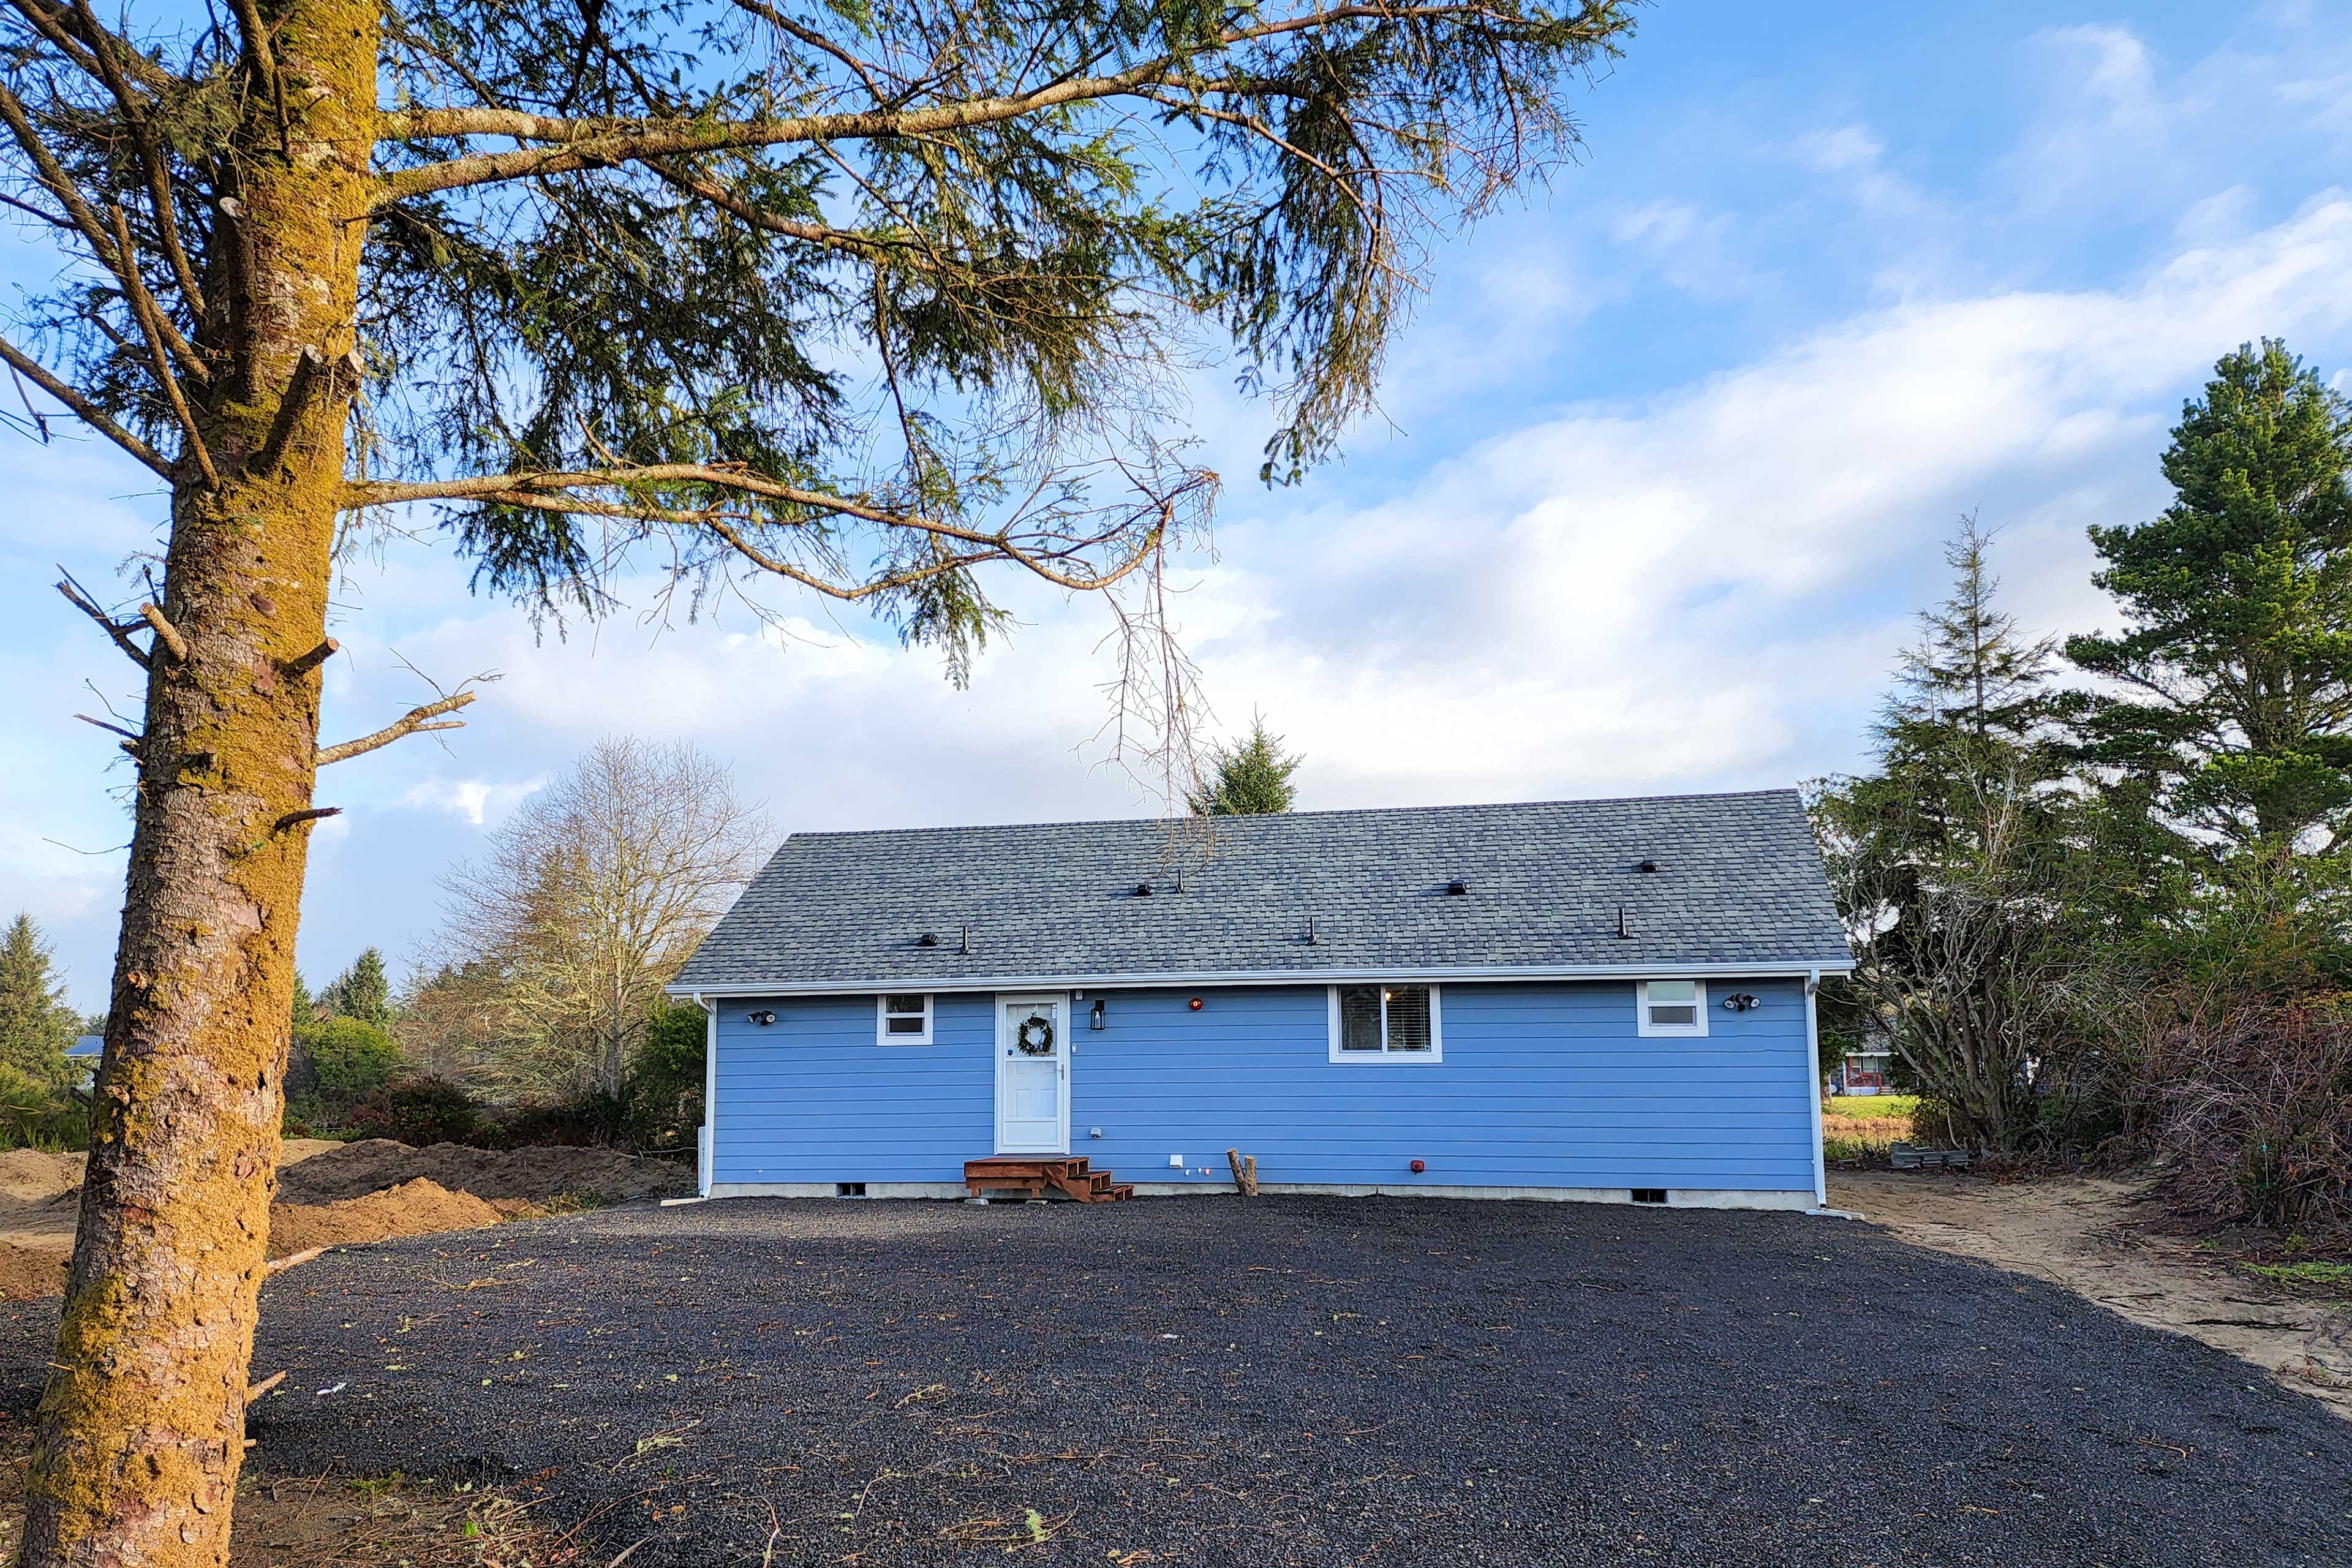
(592, 893)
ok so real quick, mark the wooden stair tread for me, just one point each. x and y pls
(1070, 1175)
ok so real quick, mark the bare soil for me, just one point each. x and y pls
(2089, 1235)
(335, 1195)
(339, 1521)
(372, 1164)
(419, 1207)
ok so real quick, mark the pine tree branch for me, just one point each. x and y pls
(594, 143)
(151, 162)
(89, 413)
(409, 724)
(80, 600)
(142, 305)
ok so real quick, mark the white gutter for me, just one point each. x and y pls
(1813, 1088)
(707, 1143)
(1811, 972)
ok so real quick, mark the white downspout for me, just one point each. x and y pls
(1813, 1088)
(706, 1142)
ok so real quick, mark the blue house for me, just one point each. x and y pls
(1607, 1000)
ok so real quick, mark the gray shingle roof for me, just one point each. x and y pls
(1738, 882)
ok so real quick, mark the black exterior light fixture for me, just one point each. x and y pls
(1095, 1016)
(763, 1017)
(1738, 1002)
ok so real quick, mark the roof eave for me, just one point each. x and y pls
(1789, 968)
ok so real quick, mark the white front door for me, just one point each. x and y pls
(1033, 1075)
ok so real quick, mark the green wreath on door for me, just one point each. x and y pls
(1035, 1035)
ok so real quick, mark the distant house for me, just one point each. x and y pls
(81, 1059)
(1864, 1069)
(1609, 1000)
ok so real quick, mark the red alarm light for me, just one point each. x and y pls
(1194, 1003)
(1419, 1166)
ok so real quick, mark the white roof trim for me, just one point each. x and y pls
(1661, 971)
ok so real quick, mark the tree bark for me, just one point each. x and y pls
(140, 1432)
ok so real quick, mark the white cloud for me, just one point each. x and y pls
(1690, 249)
(474, 800)
(1835, 150)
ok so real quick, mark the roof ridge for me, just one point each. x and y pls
(1298, 815)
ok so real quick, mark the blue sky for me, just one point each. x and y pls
(1667, 456)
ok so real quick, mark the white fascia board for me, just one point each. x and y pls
(1667, 970)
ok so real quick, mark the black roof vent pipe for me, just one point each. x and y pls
(1143, 890)
(1646, 865)
(1457, 887)
(1624, 924)
(928, 938)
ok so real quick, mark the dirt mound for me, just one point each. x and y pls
(29, 1175)
(538, 1174)
(336, 1195)
(413, 1208)
(33, 1266)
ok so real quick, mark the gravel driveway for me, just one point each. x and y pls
(1294, 1381)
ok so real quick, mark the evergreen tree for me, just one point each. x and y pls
(2237, 663)
(1949, 861)
(1972, 682)
(36, 1023)
(1251, 779)
(362, 991)
(873, 303)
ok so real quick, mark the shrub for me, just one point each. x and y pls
(589, 1118)
(417, 1110)
(352, 1057)
(665, 1088)
(2252, 1111)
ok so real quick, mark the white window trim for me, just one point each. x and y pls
(1650, 1031)
(882, 1034)
(1436, 1051)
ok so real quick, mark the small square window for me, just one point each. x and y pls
(1670, 1007)
(1385, 1023)
(903, 1020)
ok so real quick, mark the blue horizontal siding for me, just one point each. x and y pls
(1540, 1085)
(813, 1098)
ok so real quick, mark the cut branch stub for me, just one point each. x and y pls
(302, 664)
(167, 635)
(314, 377)
(296, 818)
(129, 737)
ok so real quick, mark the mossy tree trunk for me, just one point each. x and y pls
(141, 1430)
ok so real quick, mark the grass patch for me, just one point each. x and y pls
(2333, 1279)
(1866, 1126)
(1874, 1107)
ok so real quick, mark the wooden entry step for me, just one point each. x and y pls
(1036, 1174)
